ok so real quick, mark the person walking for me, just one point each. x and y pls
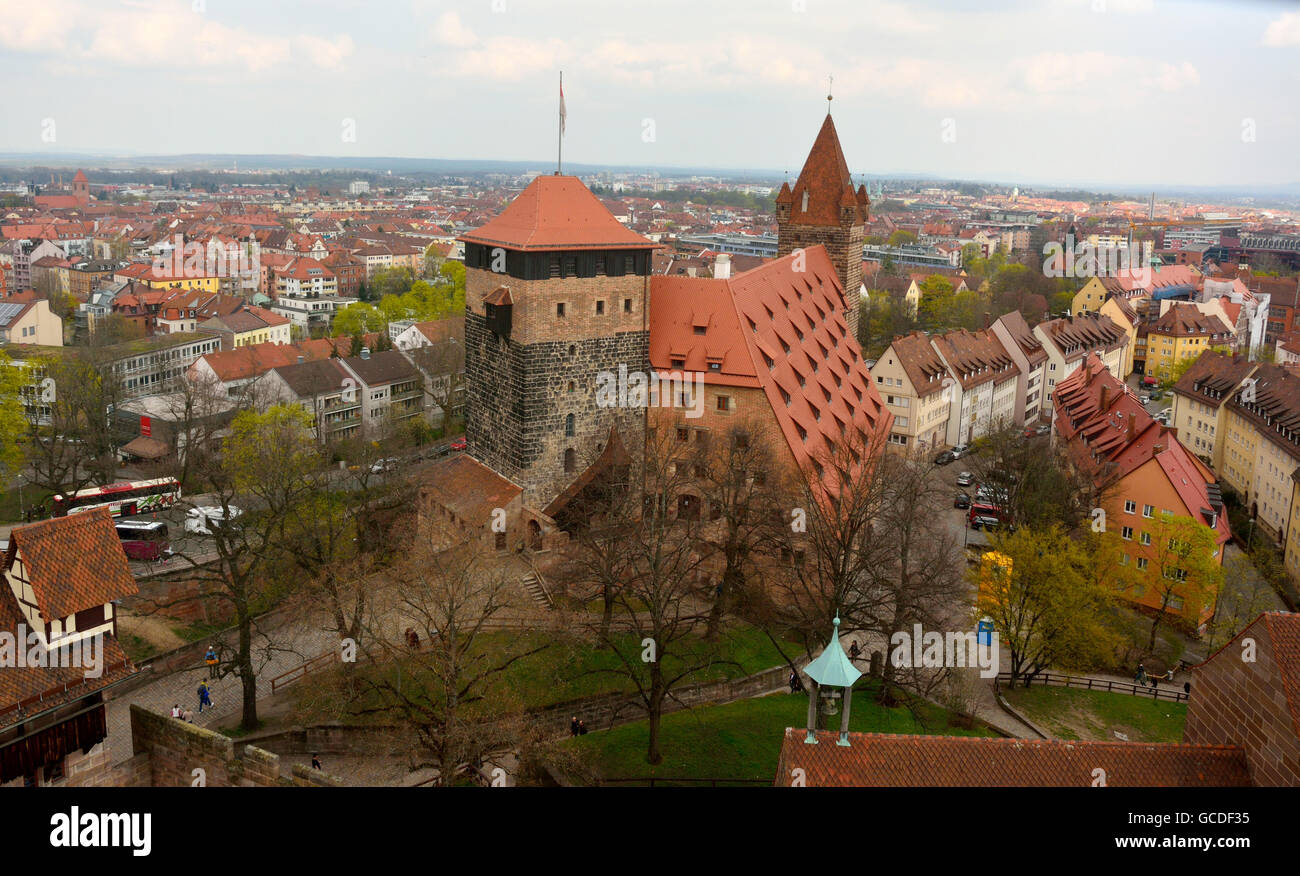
(794, 682)
(315, 761)
(574, 726)
(205, 697)
(582, 728)
(1141, 676)
(210, 658)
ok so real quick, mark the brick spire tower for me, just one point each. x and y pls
(823, 207)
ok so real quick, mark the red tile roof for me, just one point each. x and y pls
(73, 563)
(784, 328)
(883, 760)
(1109, 434)
(825, 178)
(556, 213)
(469, 489)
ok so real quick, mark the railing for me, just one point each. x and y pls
(652, 781)
(300, 671)
(1171, 693)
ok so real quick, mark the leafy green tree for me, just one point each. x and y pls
(13, 423)
(1182, 567)
(357, 319)
(1048, 608)
(900, 237)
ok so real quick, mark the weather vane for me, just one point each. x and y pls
(830, 81)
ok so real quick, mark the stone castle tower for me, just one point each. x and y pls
(557, 291)
(824, 208)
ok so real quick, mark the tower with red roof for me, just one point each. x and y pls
(81, 188)
(557, 291)
(823, 207)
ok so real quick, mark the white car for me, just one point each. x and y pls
(199, 520)
(384, 465)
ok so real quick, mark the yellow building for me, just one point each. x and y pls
(1262, 448)
(1123, 313)
(1200, 401)
(1090, 298)
(1182, 332)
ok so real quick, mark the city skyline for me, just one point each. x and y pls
(1127, 93)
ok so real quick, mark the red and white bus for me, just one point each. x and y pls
(122, 499)
(144, 539)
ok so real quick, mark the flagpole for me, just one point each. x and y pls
(559, 131)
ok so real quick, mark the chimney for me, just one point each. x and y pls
(1132, 425)
(722, 267)
(1105, 397)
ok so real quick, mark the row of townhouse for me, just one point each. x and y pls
(1243, 418)
(956, 387)
(435, 349)
(1142, 472)
(343, 395)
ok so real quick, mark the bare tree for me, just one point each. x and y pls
(447, 669)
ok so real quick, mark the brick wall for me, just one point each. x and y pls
(1234, 702)
(843, 244)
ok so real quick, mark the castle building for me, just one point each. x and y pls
(823, 208)
(560, 299)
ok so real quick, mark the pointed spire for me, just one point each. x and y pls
(832, 668)
(825, 176)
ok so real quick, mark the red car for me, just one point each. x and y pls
(459, 443)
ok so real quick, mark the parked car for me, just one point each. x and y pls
(383, 465)
(1031, 432)
(459, 443)
(201, 520)
(944, 458)
(1145, 398)
(981, 521)
(965, 479)
(961, 450)
(1157, 394)
(962, 501)
(1044, 429)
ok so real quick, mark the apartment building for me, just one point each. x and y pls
(1183, 331)
(984, 383)
(1261, 452)
(1142, 471)
(1199, 400)
(1027, 352)
(1069, 340)
(909, 376)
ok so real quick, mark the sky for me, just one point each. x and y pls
(1122, 92)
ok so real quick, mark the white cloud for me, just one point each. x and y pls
(74, 34)
(323, 52)
(449, 31)
(1285, 31)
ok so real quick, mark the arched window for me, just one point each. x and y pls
(573, 350)
(570, 460)
(568, 426)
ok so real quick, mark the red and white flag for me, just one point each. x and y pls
(563, 114)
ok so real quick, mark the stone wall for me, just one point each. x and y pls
(1235, 702)
(168, 751)
(519, 397)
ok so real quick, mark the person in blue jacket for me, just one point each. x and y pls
(205, 696)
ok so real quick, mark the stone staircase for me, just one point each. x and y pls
(534, 587)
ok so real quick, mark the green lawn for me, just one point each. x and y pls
(564, 670)
(742, 740)
(1068, 713)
